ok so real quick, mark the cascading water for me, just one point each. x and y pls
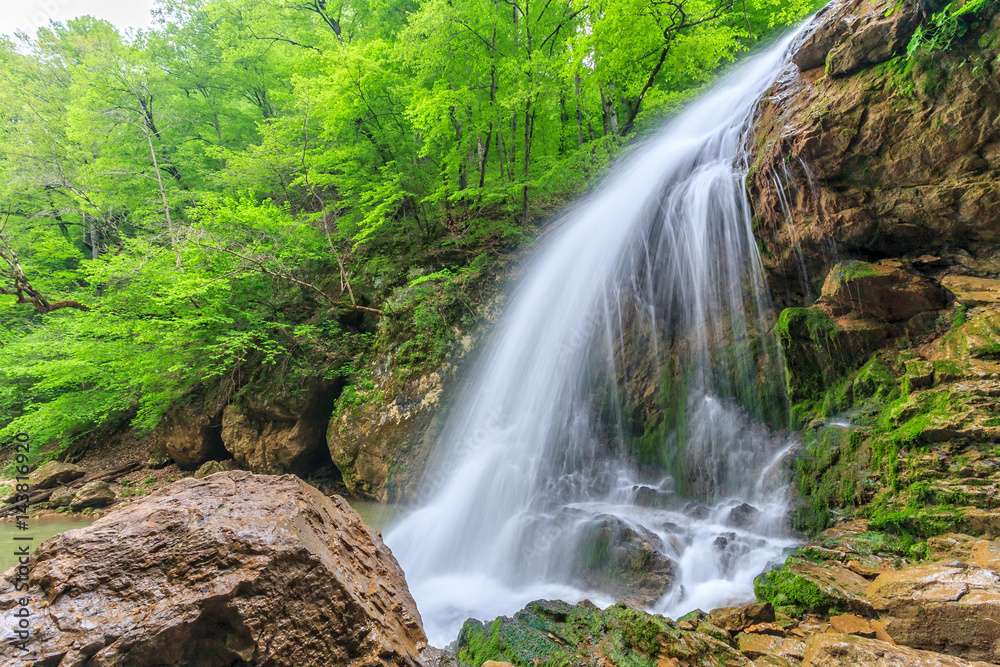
(616, 416)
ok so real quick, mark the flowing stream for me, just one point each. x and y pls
(605, 440)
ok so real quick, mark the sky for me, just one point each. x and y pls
(29, 15)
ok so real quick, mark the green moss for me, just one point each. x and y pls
(784, 588)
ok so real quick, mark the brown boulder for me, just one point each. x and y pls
(881, 292)
(54, 473)
(737, 619)
(231, 569)
(949, 607)
(836, 650)
(189, 434)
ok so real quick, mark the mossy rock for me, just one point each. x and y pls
(555, 633)
(813, 586)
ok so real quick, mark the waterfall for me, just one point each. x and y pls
(630, 400)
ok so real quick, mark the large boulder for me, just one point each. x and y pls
(951, 607)
(233, 569)
(53, 474)
(623, 560)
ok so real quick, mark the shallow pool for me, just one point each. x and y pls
(39, 529)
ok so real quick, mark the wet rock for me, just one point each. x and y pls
(737, 619)
(814, 586)
(742, 516)
(948, 607)
(94, 494)
(881, 292)
(231, 569)
(836, 650)
(189, 434)
(54, 473)
(211, 467)
(849, 624)
(581, 635)
(972, 292)
(623, 560)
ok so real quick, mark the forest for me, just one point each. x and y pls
(258, 192)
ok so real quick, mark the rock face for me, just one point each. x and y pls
(382, 434)
(54, 473)
(898, 159)
(950, 607)
(94, 494)
(836, 650)
(279, 435)
(189, 434)
(234, 569)
(893, 294)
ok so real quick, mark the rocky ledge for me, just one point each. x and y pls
(232, 569)
(849, 600)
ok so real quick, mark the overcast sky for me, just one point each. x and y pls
(28, 15)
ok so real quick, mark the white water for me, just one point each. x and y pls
(659, 269)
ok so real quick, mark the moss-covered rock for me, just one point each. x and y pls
(551, 633)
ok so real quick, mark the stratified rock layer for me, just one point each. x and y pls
(233, 569)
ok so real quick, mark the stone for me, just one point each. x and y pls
(231, 569)
(950, 607)
(623, 560)
(766, 629)
(837, 650)
(61, 497)
(494, 663)
(849, 624)
(54, 473)
(742, 516)
(94, 494)
(878, 291)
(866, 570)
(737, 619)
(756, 646)
(211, 467)
(972, 292)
